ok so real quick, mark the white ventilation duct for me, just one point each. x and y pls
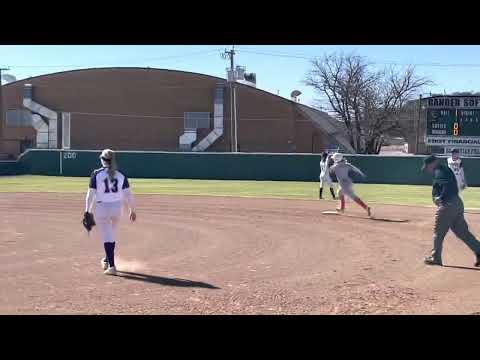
(51, 127)
(192, 122)
(187, 139)
(217, 121)
(66, 130)
(42, 131)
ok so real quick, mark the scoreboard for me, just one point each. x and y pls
(453, 121)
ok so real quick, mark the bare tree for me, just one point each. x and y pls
(370, 103)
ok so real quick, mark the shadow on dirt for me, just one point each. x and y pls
(163, 280)
(364, 217)
(462, 267)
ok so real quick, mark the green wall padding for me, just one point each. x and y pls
(227, 166)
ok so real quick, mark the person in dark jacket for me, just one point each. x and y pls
(450, 211)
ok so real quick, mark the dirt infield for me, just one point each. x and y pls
(219, 255)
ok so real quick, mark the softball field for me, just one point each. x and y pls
(226, 247)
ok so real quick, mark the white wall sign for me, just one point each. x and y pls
(471, 151)
(452, 141)
(69, 155)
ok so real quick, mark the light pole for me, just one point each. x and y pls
(233, 100)
(235, 146)
(417, 130)
(418, 122)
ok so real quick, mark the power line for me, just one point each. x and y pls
(277, 54)
(203, 52)
(264, 53)
(385, 62)
(186, 55)
(427, 64)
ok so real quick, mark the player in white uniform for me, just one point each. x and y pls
(325, 175)
(108, 188)
(456, 165)
(342, 168)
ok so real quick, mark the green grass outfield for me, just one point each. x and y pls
(373, 193)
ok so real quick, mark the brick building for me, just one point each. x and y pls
(155, 109)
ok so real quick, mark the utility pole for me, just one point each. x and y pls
(233, 100)
(235, 147)
(2, 118)
(417, 130)
(231, 54)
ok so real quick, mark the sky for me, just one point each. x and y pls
(279, 69)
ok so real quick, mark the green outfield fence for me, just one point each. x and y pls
(9, 168)
(226, 166)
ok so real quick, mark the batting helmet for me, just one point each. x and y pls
(337, 157)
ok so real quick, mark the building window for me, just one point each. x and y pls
(18, 118)
(196, 120)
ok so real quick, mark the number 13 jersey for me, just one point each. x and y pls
(108, 190)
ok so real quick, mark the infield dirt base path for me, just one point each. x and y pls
(220, 255)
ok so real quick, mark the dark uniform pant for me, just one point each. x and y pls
(451, 216)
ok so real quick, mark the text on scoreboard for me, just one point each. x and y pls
(453, 122)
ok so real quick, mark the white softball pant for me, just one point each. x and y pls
(326, 179)
(459, 183)
(107, 217)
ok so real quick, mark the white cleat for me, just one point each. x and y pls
(104, 263)
(111, 271)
